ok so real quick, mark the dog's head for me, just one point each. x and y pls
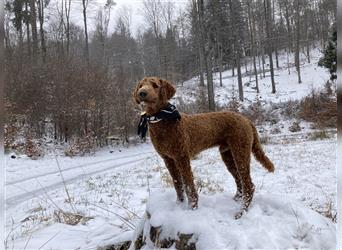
(154, 93)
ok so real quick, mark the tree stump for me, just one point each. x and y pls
(154, 237)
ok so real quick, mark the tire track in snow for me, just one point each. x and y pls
(74, 167)
(27, 195)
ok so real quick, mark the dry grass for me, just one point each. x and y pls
(320, 109)
(319, 135)
(328, 210)
(295, 127)
(199, 106)
(264, 138)
(70, 218)
(166, 179)
(255, 112)
(82, 146)
(208, 186)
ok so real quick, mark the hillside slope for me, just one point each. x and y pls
(287, 86)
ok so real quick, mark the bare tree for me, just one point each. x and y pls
(124, 16)
(27, 23)
(168, 8)
(101, 32)
(268, 17)
(199, 42)
(86, 48)
(67, 8)
(152, 10)
(41, 7)
(252, 31)
(204, 35)
(297, 57)
(236, 22)
(33, 22)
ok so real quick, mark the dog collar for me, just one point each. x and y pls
(152, 118)
(168, 113)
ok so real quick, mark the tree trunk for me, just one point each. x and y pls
(67, 28)
(220, 64)
(28, 32)
(263, 62)
(207, 56)
(275, 35)
(276, 56)
(199, 39)
(246, 65)
(41, 28)
(238, 67)
(233, 67)
(252, 30)
(288, 60)
(268, 16)
(201, 66)
(236, 22)
(297, 58)
(55, 130)
(260, 66)
(21, 37)
(288, 25)
(6, 29)
(307, 38)
(199, 15)
(86, 49)
(33, 21)
(210, 84)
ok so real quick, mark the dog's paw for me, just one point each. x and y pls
(239, 214)
(180, 201)
(193, 205)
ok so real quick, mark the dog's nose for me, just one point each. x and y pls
(142, 94)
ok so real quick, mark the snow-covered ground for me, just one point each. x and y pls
(287, 86)
(115, 198)
(20, 181)
(272, 222)
(108, 191)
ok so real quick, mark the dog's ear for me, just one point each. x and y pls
(167, 89)
(135, 94)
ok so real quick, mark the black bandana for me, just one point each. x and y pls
(168, 113)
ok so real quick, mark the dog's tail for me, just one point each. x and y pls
(259, 152)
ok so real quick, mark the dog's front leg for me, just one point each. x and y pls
(176, 177)
(183, 164)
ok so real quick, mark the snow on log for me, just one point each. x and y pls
(272, 222)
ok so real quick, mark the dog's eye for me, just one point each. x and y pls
(155, 85)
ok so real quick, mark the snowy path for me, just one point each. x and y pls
(72, 167)
(24, 189)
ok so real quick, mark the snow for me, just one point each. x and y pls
(44, 174)
(271, 222)
(287, 86)
(116, 198)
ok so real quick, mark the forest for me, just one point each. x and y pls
(68, 82)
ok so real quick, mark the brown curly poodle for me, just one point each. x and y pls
(178, 141)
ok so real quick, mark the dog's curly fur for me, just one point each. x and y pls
(177, 142)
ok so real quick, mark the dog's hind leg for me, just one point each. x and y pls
(228, 160)
(242, 160)
(176, 177)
